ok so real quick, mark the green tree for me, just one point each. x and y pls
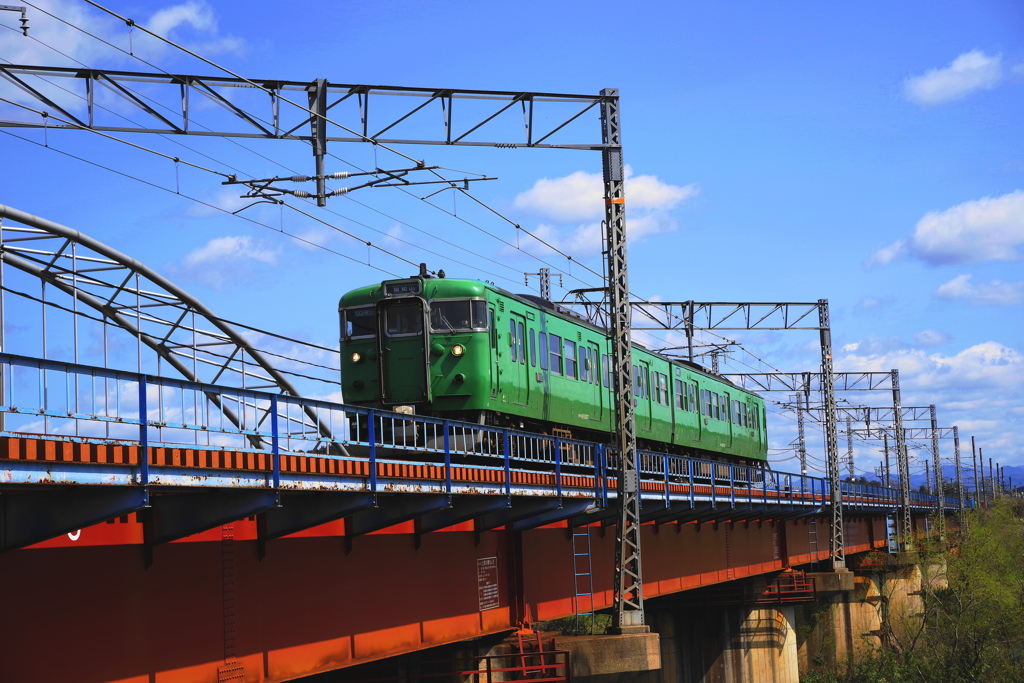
(971, 628)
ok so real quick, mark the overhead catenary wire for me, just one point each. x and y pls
(141, 96)
(131, 23)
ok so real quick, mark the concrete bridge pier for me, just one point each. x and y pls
(883, 605)
(715, 643)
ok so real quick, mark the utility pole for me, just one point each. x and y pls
(974, 457)
(991, 480)
(801, 443)
(828, 395)
(629, 599)
(940, 515)
(544, 277)
(849, 446)
(959, 474)
(903, 464)
(885, 449)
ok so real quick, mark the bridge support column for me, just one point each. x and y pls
(721, 643)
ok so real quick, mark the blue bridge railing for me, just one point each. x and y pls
(73, 402)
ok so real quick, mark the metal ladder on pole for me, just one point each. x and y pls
(583, 579)
(812, 537)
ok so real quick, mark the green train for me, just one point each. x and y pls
(467, 350)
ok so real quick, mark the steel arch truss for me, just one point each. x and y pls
(182, 332)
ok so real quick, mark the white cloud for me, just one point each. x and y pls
(873, 303)
(225, 201)
(967, 73)
(190, 23)
(223, 259)
(579, 196)
(981, 367)
(221, 250)
(887, 254)
(930, 338)
(987, 229)
(994, 293)
(572, 208)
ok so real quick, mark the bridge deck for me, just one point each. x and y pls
(302, 547)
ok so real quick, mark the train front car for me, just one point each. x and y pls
(465, 350)
(418, 346)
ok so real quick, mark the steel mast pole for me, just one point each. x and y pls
(974, 458)
(959, 473)
(940, 512)
(828, 393)
(903, 465)
(801, 441)
(629, 600)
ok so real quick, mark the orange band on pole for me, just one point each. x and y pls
(619, 200)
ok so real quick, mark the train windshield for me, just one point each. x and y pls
(359, 322)
(404, 318)
(458, 315)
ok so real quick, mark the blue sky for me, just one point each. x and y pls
(868, 153)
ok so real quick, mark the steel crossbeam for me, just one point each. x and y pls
(277, 109)
(811, 381)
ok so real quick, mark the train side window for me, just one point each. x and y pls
(359, 322)
(533, 348)
(607, 371)
(637, 390)
(570, 358)
(584, 364)
(556, 354)
(678, 386)
(480, 314)
(494, 330)
(662, 389)
(512, 340)
(520, 342)
(543, 350)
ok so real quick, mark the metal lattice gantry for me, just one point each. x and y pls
(805, 382)
(388, 115)
(690, 316)
(932, 433)
(350, 112)
(117, 291)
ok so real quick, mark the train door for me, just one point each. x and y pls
(594, 373)
(495, 373)
(729, 415)
(404, 370)
(517, 384)
(642, 392)
(693, 390)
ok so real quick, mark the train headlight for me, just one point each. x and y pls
(458, 350)
(357, 357)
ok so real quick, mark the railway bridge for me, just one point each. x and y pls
(157, 528)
